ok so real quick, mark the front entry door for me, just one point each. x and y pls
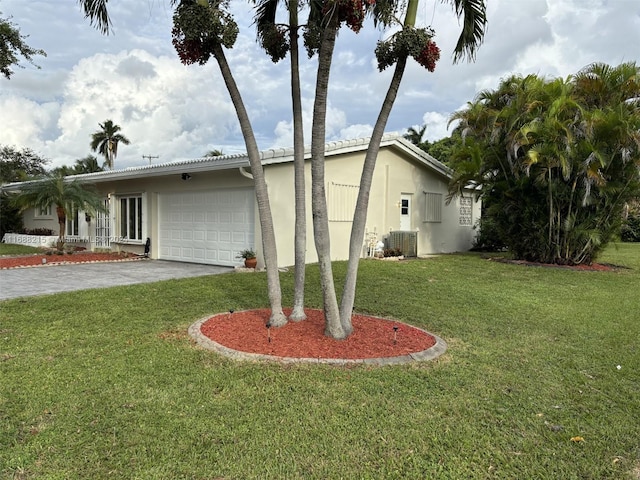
(103, 227)
(405, 212)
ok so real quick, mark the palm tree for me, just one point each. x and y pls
(200, 32)
(88, 164)
(474, 23)
(556, 160)
(106, 141)
(275, 43)
(415, 136)
(213, 153)
(67, 197)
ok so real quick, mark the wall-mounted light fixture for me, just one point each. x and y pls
(185, 176)
(87, 218)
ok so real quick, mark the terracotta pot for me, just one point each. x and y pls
(250, 262)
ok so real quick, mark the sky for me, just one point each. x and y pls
(174, 112)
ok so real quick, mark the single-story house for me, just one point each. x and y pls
(204, 210)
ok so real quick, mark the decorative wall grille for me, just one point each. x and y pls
(466, 212)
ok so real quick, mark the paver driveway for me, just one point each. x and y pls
(27, 282)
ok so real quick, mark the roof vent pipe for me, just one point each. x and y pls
(244, 173)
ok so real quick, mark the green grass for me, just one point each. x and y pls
(11, 249)
(105, 384)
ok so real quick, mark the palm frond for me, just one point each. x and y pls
(474, 23)
(97, 13)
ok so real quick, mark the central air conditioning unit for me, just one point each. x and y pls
(405, 241)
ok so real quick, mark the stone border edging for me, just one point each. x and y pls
(205, 342)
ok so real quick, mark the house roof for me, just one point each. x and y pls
(269, 157)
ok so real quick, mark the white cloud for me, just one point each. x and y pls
(134, 77)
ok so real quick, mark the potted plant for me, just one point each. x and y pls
(250, 260)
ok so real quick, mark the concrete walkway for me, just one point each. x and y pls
(28, 282)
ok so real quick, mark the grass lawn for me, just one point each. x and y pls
(12, 249)
(106, 384)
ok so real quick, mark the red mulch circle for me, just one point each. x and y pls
(54, 259)
(372, 337)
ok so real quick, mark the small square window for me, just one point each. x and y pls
(43, 211)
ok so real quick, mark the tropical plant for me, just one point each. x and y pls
(213, 153)
(418, 44)
(630, 230)
(246, 254)
(88, 164)
(203, 29)
(67, 196)
(416, 136)
(106, 141)
(277, 40)
(556, 160)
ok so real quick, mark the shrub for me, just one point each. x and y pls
(630, 231)
(47, 232)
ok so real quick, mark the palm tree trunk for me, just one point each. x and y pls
(300, 239)
(62, 223)
(362, 204)
(333, 327)
(278, 317)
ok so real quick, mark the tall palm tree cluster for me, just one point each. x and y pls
(556, 160)
(203, 27)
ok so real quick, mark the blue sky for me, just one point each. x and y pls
(134, 77)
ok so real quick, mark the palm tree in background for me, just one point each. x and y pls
(88, 164)
(213, 153)
(415, 135)
(66, 196)
(106, 141)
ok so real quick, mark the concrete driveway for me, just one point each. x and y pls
(27, 282)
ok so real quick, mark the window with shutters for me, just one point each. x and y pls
(433, 207)
(341, 199)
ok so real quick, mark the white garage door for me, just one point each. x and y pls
(206, 227)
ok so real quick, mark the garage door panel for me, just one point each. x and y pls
(206, 227)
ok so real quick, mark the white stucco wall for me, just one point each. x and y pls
(395, 174)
